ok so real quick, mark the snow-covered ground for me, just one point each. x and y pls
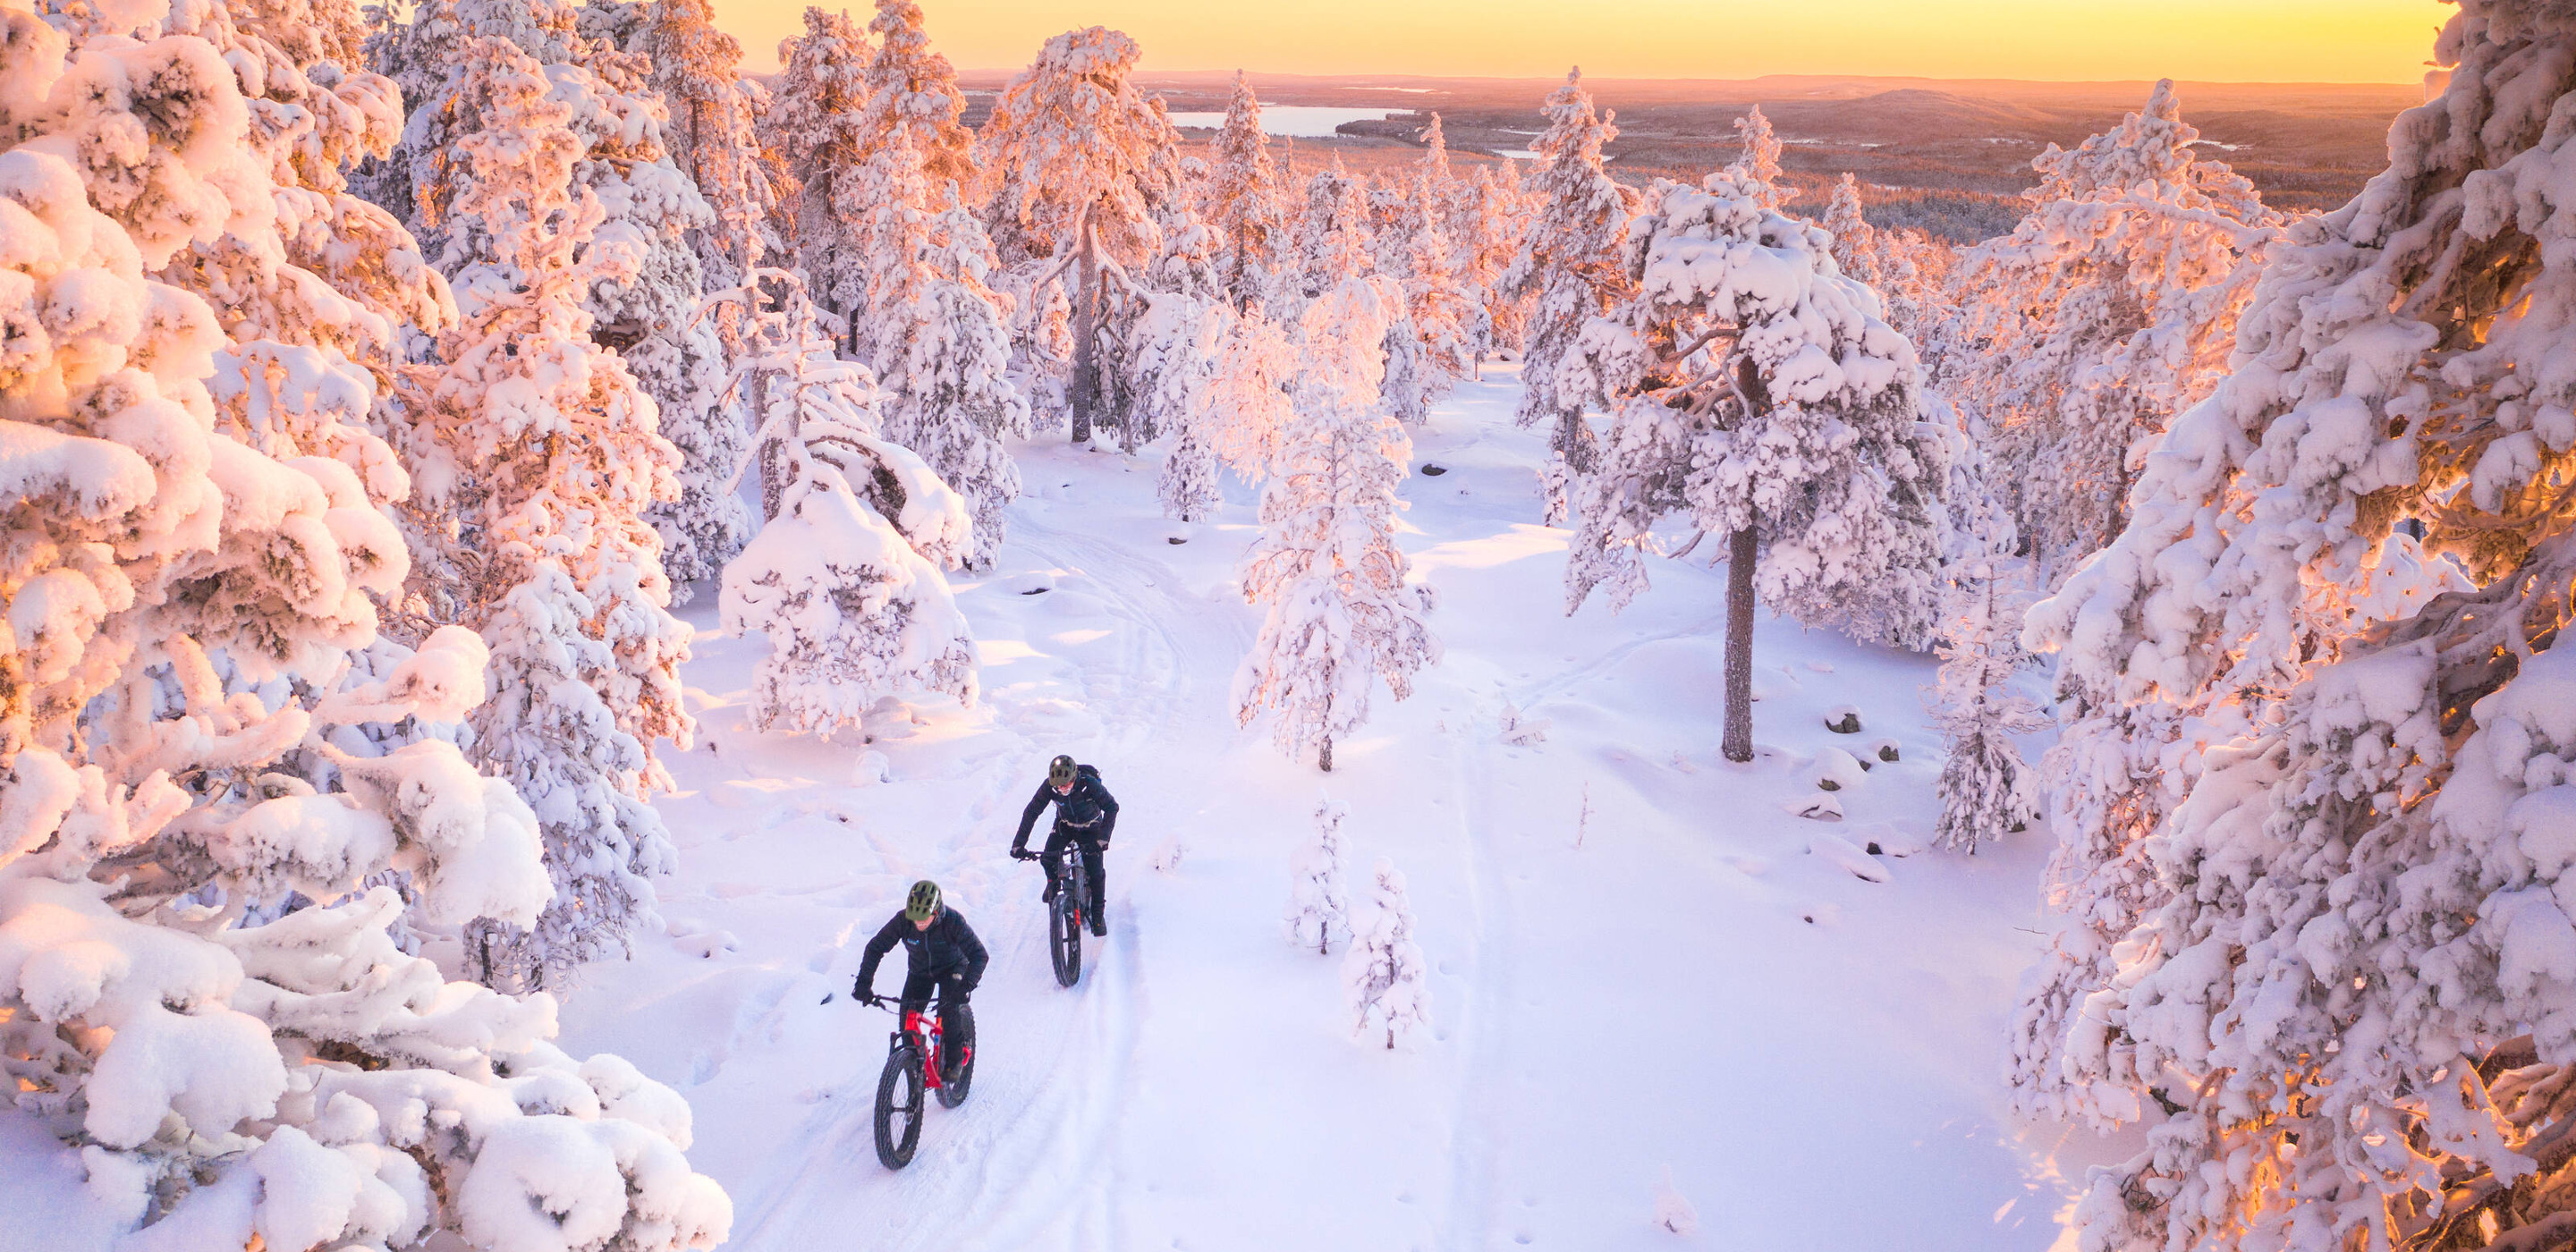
(1672, 981)
(1638, 966)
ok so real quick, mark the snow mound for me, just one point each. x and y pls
(1843, 856)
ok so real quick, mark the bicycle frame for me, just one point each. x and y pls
(1074, 878)
(920, 1029)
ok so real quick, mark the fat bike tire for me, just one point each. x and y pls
(1064, 937)
(899, 1107)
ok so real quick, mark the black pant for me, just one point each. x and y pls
(1089, 843)
(954, 1031)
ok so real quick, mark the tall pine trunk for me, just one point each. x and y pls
(1086, 333)
(1738, 744)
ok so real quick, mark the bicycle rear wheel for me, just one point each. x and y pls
(1064, 935)
(899, 1107)
(953, 1091)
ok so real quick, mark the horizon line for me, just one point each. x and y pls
(1142, 72)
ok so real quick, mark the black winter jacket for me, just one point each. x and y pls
(949, 946)
(1088, 807)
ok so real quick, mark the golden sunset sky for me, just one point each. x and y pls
(2379, 41)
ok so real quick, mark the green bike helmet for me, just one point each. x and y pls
(923, 903)
(1060, 772)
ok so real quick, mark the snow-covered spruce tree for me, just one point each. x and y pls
(1569, 270)
(1985, 790)
(1384, 974)
(845, 580)
(537, 452)
(1757, 166)
(2109, 309)
(187, 589)
(1340, 615)
(1755, 390)
(1243, 200)
(1319, 906)
(1080, 163)
(2353, 971)
(1238, 408)
(816, 131)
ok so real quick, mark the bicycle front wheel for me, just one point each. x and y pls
(1064, 933)
(899, 1107)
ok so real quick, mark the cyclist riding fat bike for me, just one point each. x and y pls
(939, 950)
(1085, 816)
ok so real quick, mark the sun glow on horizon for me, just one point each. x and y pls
(2324, 41)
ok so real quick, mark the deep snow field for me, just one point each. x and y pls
(1636, 963)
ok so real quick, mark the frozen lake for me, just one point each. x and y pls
(1305, 121)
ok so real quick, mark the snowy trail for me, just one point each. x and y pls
(1775, 1023)
(1029, 1161)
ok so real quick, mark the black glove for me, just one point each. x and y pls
(1023, 854)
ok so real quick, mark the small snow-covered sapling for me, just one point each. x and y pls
(1384, 974)
(1318, 905)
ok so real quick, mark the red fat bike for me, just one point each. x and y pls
(911, 1071)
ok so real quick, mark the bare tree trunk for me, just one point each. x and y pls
(1738, 744)
(772, 453)
(1086, 330)
(1324, 755)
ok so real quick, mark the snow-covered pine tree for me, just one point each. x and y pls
(845, 580)
(1569, 270)
(1245, 404)
(711, 136)
(2108, 310)
(537, 453)
(1384, 974)
(912, 97)
(936, 335)
(1332, 236)
(641, 303)
(645, 307)
(189, 579)
(1080, 164)
(1485, 226)
(816, 130)
(1755, 390)
(1243, 194)
(1875, 258)
(949, 395)
(1340, 615)
(1319, 906)
(1757, 165)
(1434, 352)
(2363, 871)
